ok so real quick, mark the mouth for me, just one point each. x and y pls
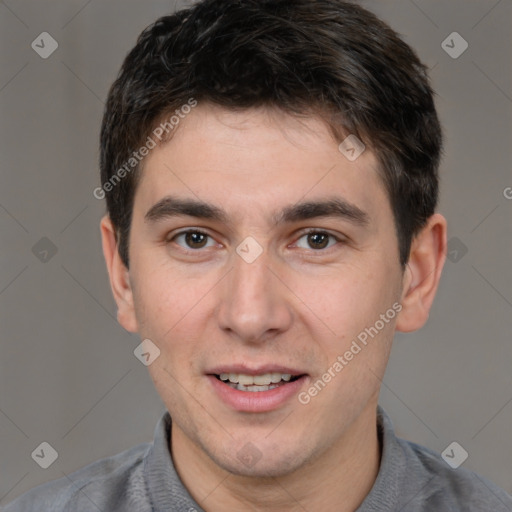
(256, 390)
(256, 383)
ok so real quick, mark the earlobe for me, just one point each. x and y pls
(422, 274)
(119, 277)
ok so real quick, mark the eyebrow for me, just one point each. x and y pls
(171, 206)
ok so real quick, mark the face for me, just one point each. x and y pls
(259, 252)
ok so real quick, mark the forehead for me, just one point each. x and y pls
(255, 160)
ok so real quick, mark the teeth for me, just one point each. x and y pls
(245, 380)
(240, 387)
(276, 377)
(248, 381)
(263, 380)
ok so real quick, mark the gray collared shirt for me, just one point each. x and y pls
(411, 478)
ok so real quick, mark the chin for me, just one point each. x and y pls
(270, 462)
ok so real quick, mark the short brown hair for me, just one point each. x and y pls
(307, 57)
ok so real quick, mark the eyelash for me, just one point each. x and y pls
(307, 232)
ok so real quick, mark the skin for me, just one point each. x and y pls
(296, 305)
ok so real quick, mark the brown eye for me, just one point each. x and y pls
(317, 240)
(193, 239)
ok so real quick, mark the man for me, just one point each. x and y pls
(270, 171)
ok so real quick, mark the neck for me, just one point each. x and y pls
(338, 479)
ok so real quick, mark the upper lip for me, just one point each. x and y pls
(260, 370)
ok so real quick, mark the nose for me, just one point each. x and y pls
(255, 304)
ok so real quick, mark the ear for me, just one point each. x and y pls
(422, 274)
(119, 277)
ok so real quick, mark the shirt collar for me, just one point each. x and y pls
(384, 494)
(162, 481)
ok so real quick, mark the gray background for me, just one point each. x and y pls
(68, 375)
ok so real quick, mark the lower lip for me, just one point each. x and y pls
(256, 401)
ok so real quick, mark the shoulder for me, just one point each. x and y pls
(446, 488)
(414, 478)
(102, 485)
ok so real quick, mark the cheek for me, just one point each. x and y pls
(164, 299)
(340, 299)
(350, 305)
(172, 312)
